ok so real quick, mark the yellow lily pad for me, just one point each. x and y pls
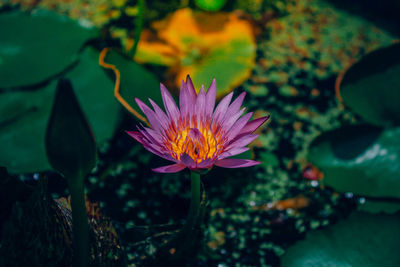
(204, 45)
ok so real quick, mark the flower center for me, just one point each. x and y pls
(198, 142)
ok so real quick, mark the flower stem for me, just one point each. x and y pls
(195, 201)
(80, 225)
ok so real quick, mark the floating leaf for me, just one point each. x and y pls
(375, 206)
(371, 87)
(203, 45)
(361, 159)
(361, 240)
(95, 94)
(230, 64)
(135, 81)
(70, 144)
(24, 115)
(35, 47)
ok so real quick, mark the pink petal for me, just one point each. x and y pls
(153, 150)
(242, 140)
(161, 116)
(170, 168)
(251, 126)
(136, 135)
(237, 127)
(210, 97)
(205, 164)
(150, 142)
(169, 104)
(184, 99)
(187, 161)
(191, 91)
(154, 136)
(200, 105)
(230, 120)
(233, 152)
(220, 111)
(236, 163)
(150, 114)
(235, 106)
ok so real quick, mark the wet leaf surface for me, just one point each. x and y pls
(136, 81)
(374, 206)
(25, 115)
(46, 43)
(359, 159)
(361, 240)
(370, 87)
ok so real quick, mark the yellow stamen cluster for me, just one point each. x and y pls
(200, 143)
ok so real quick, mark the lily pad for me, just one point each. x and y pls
(217, 45)
(375, 206)
(23, 122)
(24, 115)
(361, 159)
(371, 87)
(361, 240)
(229, 64)
(95, 94)
(136, 81)
(37, 46)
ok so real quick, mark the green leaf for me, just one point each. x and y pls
(371, 87)
(70, 144)
(210, 5)
(24, 115)
(228, 64)
(35, 47)
(23, 121)
(375, 206)
(361, 159)
(361, 240)
(94, 90)
(136, 81)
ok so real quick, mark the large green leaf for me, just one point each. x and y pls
(377, 206)
(37, 46)
(228, 64)
(95, 93)
(136, 81)
(361, 159)
(22, 126)
(24, 115)
(361, 240)
(371, 87)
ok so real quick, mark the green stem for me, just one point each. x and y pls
(139, 27)
(195, 200)
(80, 225)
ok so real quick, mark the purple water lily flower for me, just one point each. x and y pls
(195, 135)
